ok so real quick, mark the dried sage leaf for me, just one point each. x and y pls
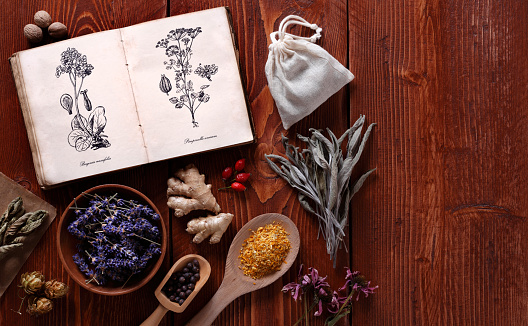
(14, 227)
(33, 222)
(14, 210)
(321, 173)
(4, 250)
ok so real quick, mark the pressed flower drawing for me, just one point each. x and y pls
(177, 45)
(86, 132)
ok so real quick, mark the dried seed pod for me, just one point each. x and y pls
(39, 306)
(32, 282)
(33, 33)
(42, 19)
(58, 30)
(87, 103)
(66, 102)
(165, 85)
(54, 289)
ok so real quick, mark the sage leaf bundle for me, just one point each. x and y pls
(322, 175)
(15, 226)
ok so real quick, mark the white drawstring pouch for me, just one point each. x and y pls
(301, 75)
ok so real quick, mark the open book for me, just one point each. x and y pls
(130, 96)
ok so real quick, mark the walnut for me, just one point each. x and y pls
(33, 33)
(42, 19)
(57, 30)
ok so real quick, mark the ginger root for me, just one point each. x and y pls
(187, 192)
(213, 226)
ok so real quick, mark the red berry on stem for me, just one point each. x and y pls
(237, 186)
(240, 164)
(227, 173)
(242, 177)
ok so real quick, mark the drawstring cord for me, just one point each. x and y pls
(295, 20)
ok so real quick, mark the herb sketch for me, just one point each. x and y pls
(86, 133)
(177, 45)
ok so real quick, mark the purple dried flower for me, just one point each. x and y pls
(118, 239)
(358, 282)
(323, 296)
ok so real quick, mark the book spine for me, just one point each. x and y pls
(24, 105)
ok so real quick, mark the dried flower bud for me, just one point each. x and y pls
(39, 306)
(54, 289)
(32, 282)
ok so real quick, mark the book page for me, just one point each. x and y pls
(82, 107)
(187, 84)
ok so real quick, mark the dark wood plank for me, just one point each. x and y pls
(440, 228)
(80, 307)
(253, 22)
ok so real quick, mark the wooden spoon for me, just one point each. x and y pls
(165, 303)
(235, 283)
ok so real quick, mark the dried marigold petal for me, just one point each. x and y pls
(264, 251)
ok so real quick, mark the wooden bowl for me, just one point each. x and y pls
(66, 242)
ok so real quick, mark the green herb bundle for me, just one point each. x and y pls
(321, 173)
(16, 225)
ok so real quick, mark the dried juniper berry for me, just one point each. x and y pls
(182, 283)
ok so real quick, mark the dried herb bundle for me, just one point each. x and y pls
(321, 174)
(15, 226)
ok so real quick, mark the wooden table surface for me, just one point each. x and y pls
(440, 224)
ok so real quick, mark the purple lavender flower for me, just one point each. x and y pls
(117, 238)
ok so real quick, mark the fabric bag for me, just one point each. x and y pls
(301, 75)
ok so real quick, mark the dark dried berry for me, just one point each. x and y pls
(182, 279)
(188, 292)
(181, 301)
(190, 287)
(192, 279)
(186, 270)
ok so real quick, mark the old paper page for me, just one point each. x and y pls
(187, 85)
(82, 107)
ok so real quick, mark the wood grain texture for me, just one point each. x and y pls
(440, 228)
(253, 22)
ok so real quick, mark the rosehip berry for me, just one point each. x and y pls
(242, 177)
(227, 173)
(237, 186)
(240, 164)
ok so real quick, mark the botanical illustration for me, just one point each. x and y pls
(86, 132)
(177, 45)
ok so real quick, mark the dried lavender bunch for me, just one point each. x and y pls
(321, 174)
(117, 238)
